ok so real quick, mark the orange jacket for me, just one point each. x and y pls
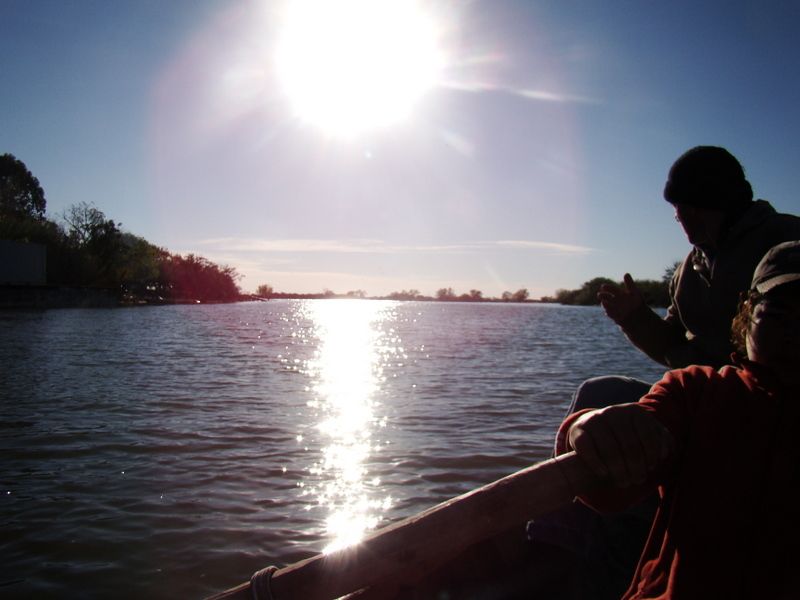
(728, 524)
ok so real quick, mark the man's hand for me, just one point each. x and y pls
(623, 443)
(620, 302)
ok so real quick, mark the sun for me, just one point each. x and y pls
(353, 66)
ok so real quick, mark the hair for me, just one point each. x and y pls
(740, 326)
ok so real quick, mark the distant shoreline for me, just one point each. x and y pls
(16, 296)
(295, 296)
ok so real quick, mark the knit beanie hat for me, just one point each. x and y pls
(708, 177)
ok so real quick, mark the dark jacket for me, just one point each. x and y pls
(705, 294)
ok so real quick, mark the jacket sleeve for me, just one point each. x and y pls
(607, 499)
(670, 401)
(665, 340)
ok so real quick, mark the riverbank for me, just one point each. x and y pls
(56, 296)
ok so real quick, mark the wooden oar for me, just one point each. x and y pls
(423, 542)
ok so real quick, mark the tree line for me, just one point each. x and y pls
(656, 293)
(87, 249)
(449, 295)
(444, 294)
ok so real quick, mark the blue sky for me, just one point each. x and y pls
(536, 159)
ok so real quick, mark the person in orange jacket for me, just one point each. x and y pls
(721, 448)
(729, 232)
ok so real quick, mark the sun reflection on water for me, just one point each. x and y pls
(347, 373)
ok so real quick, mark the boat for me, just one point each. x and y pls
(471, 547)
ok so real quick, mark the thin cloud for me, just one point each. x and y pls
(529, 94)
(371, 246)
(560, 248)
(300, 245)
(546, 96)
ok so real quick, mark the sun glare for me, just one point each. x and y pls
(356, 65)
(347, 375)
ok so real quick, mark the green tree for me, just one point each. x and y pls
(21, 195)
(264, 290)
(194, 278)
(31, 230)
(566, 296)
(520, 295)
(656, 293)
(100, 241)
(404, 295)
(445, 294)
(587, 295)
(137, 267)
(670, 271)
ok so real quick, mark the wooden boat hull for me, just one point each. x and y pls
(504, 567)
(450, 545)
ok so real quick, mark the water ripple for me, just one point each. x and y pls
(178, 449)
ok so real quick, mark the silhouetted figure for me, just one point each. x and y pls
(721, 447)
(729, 233)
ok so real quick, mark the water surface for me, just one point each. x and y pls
(167, 452)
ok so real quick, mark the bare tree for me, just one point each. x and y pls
(85, 223)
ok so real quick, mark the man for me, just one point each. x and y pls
(729, 233)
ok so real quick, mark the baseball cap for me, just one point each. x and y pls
(780, 265)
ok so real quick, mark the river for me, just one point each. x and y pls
(169, 452)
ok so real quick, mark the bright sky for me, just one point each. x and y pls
(389, 145)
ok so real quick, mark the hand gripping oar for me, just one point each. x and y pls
(425, 541)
